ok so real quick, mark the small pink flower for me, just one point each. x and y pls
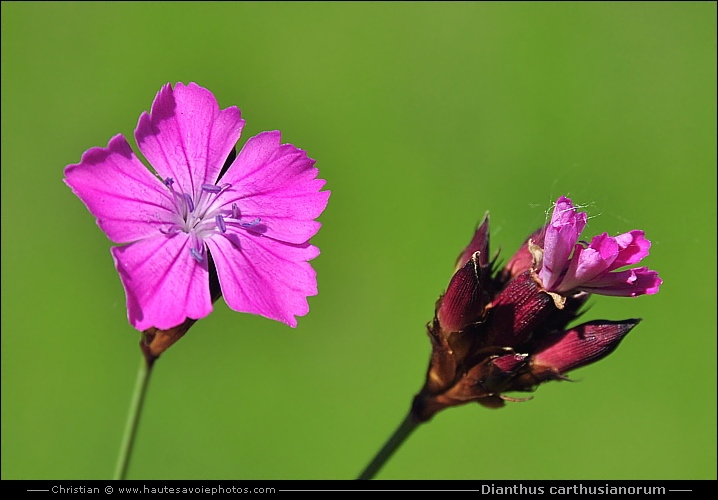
(592, 267)
(252, 222)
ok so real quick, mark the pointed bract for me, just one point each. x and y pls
(523, 259)
(562, 352)
(479, 243)
(517, 311)
(465, 298)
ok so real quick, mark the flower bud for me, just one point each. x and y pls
(555, 355)
(479, 243)
(517, 311)
(502, 370)
(465, 298)
(523, 259)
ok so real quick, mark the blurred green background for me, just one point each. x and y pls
(422, 116)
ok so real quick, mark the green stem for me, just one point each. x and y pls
(399, 436)
(133, 418)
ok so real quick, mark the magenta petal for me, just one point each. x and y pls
(629, 283)
(588, 263)
(561, 235)
(128, 201)
(163, 283)
(276, 183)
(186, 136)
(633, 248)
(259, 275)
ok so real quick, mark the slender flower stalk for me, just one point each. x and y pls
(133, 418)
(400, 435)
(496, 332)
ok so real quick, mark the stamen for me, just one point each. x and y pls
(212, 188)
(188, 200)
(196, 255)
(171, 230)
(250, 224)
(220, 223)
(235, 211)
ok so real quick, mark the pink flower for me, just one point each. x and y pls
(252, 222)
(592, 267)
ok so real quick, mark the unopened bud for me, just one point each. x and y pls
(465, 299)
(517, 311)
(558, 354)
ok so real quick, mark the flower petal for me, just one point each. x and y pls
(186, 136)
(163, 283)
(276, 183)
(588, 263)
(633, 248)
(629, 283)
(259, 275)
(128, 201)
(561, 236)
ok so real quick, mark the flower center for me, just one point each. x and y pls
(203, 216)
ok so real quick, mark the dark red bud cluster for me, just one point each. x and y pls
(498, 332)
